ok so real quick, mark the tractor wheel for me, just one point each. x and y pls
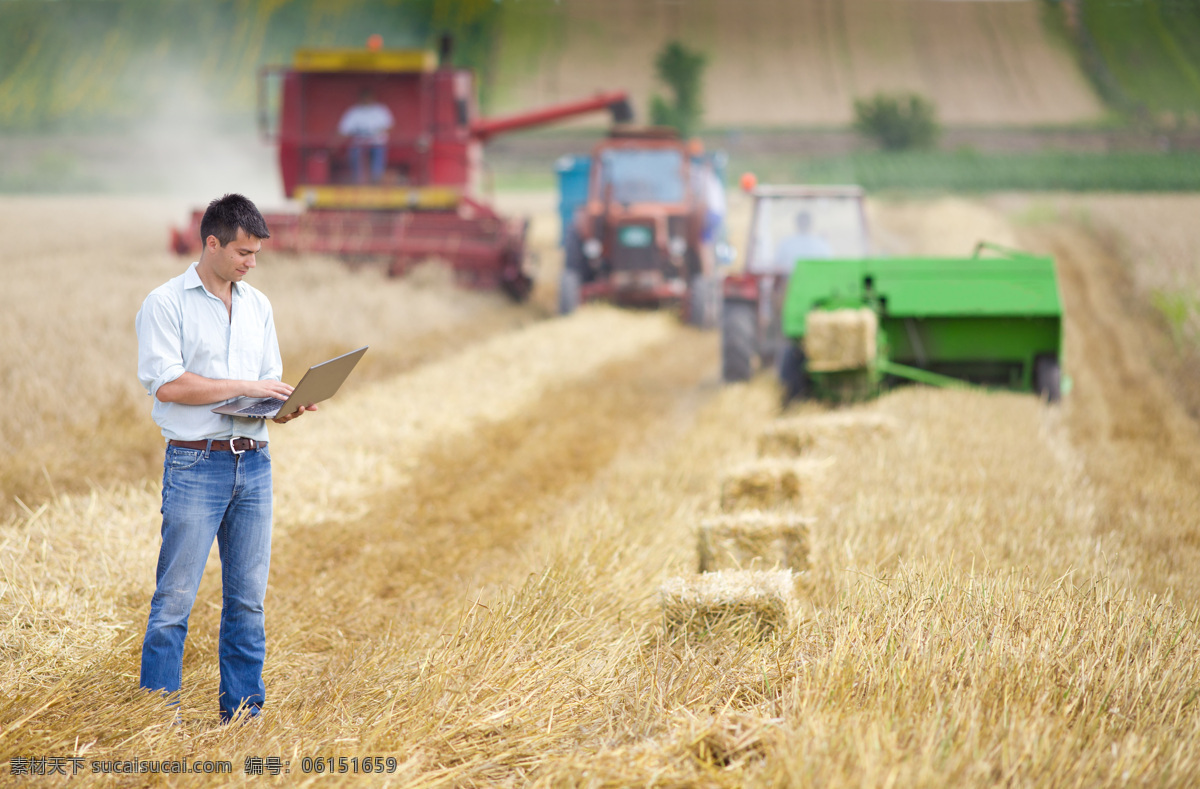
(772, 342)
(516, 283)
(1047, 378)
(704, 301)
(519, 288)
(571, 280)
(568, 291)
(793, 373)
(738, 319)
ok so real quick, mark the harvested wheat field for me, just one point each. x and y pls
(471, 543)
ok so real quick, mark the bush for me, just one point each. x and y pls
(897, 122)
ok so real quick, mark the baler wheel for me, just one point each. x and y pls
(738, 319)
(1047, 378)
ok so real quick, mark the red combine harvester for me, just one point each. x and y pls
(425, 205)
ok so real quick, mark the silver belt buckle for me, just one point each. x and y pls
(233, 448)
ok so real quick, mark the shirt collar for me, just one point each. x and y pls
(191, 279)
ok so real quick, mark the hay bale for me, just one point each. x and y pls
(754, 541)
(769, 483)
(785, 440)
(736, 602)
(837, 340)
(798, 435)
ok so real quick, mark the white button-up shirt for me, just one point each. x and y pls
(181, 327)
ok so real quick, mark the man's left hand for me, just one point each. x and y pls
(283, 420)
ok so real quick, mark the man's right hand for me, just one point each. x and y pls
(267, 389)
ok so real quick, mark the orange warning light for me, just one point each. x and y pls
(749, 181)
(375, 42)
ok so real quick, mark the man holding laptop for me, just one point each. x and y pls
(206, 337)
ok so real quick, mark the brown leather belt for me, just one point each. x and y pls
(239, 445)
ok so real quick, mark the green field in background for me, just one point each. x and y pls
(976, 172)
(945, 172)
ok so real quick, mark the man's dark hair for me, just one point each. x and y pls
(225, 215)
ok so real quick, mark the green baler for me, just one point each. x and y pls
(990, 319)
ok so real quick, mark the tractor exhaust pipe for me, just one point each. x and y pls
(622, 111)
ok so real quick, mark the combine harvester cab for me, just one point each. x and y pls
(640, 228)
(427, 204)
(993, 319)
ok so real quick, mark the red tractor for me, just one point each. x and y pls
(425, 201)
(788, 223)
(647, 230)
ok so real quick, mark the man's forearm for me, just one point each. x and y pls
(192, 389)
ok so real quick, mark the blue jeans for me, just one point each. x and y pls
(376, 153)
(206, 496)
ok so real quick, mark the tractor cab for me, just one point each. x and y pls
(643, 172)
(788, 224)
(791, 223)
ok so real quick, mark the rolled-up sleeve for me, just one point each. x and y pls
(160, 342)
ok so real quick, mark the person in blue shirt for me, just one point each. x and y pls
(366, 125)
(206, 337)
(803, 244)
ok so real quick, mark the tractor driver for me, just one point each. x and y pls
(366, 124)
(801, 245)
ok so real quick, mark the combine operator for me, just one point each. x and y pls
(366, 124)
(205, 337)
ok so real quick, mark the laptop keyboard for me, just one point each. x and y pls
(265, 407)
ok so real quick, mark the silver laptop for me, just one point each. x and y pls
(319, 383)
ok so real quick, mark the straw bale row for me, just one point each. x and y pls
(770, 483)
(795, 436)
(737, 602)
(751, 562)
(754, 541)
(754, 558)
